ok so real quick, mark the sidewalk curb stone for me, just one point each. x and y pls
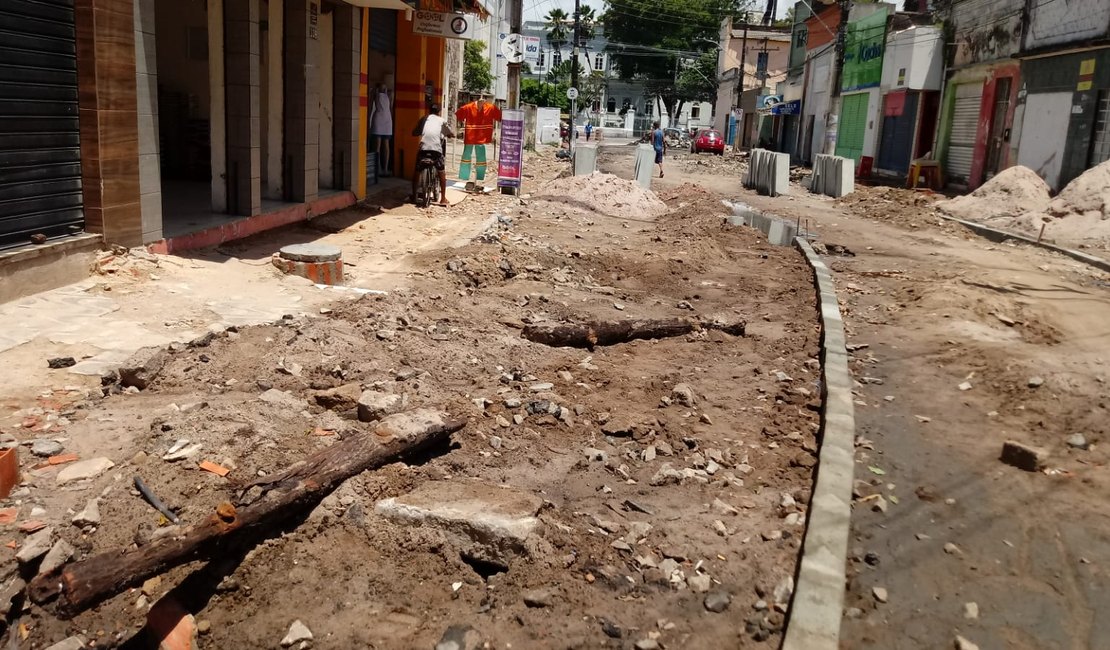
(816, 610)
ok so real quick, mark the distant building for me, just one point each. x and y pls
(765, 52)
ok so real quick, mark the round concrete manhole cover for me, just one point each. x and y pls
(310, 253)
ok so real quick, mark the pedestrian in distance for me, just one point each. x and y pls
(660, 144)
(589, 131)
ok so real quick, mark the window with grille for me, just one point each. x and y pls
(1100, 139)
(541, 59)
(556, 57)
(761, 59)
(599, 62)
(695, 111)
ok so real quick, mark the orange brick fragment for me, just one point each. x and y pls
(62, 459)
(8, 515)
(218, 470)
(31, 526)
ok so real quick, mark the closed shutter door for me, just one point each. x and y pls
(40, 155)
(853, 120)
(965, 123)
(896, 144)
(1100, 139)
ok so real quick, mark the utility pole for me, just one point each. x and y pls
(740, 80)
(574, 76)
(516, 16)
(832, 126)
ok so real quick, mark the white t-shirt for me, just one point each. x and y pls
(432, 137)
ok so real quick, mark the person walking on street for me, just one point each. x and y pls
(431, 129)
(660, 144)
(478, 119)
(381, 128)
(589, 131)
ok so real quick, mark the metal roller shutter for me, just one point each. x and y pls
(965, 123)
(40, 155)
(853, 120)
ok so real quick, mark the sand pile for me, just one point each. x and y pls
(1087, 195)
(603, 193)
(1013, 192)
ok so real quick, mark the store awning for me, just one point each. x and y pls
(381, 4)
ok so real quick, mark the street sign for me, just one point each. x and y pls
(572, 94)
(513, 48)
(443, 25)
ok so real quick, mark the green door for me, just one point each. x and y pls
(853, 120)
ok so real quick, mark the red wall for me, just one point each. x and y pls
(986, 112)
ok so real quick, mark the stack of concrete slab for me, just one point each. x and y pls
(768, 172)
(585, 159)
(645, 161)
(833, 175)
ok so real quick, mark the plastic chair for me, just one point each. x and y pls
(924, 171)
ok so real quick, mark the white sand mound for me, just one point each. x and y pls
(1087, 195)
(1011, 193)
(603, 193)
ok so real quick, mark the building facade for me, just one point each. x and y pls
(183, 123)
(752, 63)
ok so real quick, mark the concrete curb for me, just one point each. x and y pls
(814, 620)
(997, 235)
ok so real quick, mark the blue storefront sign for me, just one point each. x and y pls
(792, 107)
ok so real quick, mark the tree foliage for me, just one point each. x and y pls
(590, 82)
(477, 76)
(647, 40)
(540, 93)
(558, 32)
(697, 79)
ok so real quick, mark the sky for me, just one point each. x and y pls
(537, 9)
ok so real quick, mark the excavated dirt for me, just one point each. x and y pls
(617, 557)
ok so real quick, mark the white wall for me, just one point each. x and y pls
(874, 120)
(1044, 129)
(919, 52)
(1070, 21)
(817, 98)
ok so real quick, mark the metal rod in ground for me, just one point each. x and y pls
(1041, 234)
(153, 500)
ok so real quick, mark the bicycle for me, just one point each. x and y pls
(427, 189)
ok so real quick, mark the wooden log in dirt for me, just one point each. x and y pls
(263, 505)
(594, 333)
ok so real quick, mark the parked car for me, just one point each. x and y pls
(708, 140)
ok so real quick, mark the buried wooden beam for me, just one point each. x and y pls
(594, 333)
(262, 506)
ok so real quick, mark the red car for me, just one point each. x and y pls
(708, 140)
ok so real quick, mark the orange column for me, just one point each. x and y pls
(419, 62)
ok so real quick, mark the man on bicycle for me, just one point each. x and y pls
(431, 130)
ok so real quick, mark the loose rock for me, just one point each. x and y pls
(373, 406)
(539, 597)
(35, 546)
(683, 394)
(143, 366)
(59, 554)
(717, 601)
(84, 469)
(964, 644)
(298, 632)
(459, 637)
(1022, 456)
(699, 582)
(1036, 382)
(971, 611)
(71, 643)
(880, 594)
(45, 447)
(1078, 441)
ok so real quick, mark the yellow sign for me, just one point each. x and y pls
(1086, 74)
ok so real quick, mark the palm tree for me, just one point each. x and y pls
(587, 19)
(557, 33)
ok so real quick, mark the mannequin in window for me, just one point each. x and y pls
(381, 128)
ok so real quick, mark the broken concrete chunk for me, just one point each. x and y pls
(486, 521)
(141, 368)
(459, 637)
(341, 398)
(282, 398)
(298, 632)
(45, 447)
(36, 545)
(1078, 441)
(373, 406)
(539, 597)
(71, 643)
(666, 475)
(699, 583)
(1022, 456)
(683, 394)
(90, 516)
(182, 450)
(84, 469)
(59, 554)
(717, 602)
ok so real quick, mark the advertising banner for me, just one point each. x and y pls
(512, 148)
(863, 52)
(435, 23)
